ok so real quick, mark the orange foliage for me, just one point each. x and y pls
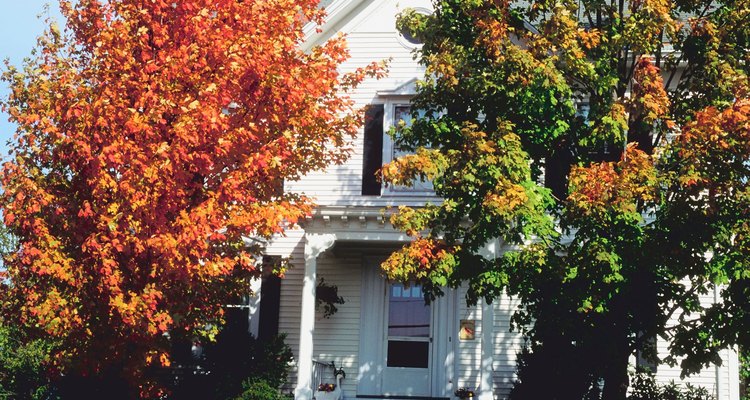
(153, 136)
(714, 149)
(649, 100)
(418, 260)
(620, 187)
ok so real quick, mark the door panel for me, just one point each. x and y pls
(408, 344)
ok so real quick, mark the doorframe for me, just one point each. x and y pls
(372, 340)
(431, 345)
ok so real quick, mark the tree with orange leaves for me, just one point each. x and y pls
(152, 141)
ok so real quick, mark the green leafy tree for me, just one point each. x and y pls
(24, 365)
(23, 360)
(606, 146)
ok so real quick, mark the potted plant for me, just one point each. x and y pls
(464, 393)
(330, 391)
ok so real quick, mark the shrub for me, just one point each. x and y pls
(547, 373)
(234, 365)
(23, 372)
(259, 389)
(644, 387)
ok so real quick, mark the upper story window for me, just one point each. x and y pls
(406, 36)
(398, 113)
(379, 148)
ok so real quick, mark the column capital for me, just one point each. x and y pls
(317, 243)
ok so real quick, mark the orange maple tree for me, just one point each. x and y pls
(152, 140)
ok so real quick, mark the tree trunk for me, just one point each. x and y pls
(616, 379)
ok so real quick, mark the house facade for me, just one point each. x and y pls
(386, 340)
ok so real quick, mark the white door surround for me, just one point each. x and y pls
(375, 378)
(407, 335)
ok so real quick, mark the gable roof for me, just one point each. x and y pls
(336, 11)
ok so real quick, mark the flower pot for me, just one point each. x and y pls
(321, 395)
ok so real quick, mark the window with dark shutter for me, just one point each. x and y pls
(373, 149)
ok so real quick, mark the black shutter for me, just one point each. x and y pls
(373, 149)
(270, 302)
(556, 170)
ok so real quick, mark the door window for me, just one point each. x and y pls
(409, 320)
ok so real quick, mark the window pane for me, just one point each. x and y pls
(408, 354)
(402, 117)
(408, 315)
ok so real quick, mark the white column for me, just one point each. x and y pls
(488, 326)
(733, 368)
(315, 245)
(254, 306)
(489, 251)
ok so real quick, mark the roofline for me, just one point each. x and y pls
(335, 12)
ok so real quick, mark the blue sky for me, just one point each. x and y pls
(19, 28)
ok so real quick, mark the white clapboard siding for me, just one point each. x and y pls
(507, 345)
(291, 246)
(371, 36)
(716, 379)
(337, 338)
(469, 352)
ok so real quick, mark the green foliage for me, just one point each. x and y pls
(574, 381)
(618, 240)
(24, 364)
(258, 389)
(236, 358)
(326, 297)
(549, 374)
(644, 387)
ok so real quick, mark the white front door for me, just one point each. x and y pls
(407, 341)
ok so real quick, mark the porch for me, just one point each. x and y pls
(381, 362)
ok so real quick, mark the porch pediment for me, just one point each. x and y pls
(408, 88)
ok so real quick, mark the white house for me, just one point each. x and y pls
(389, 344)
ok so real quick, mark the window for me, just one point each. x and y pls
(397, 114)
(379, 148)
(406, 36)
(409, 322)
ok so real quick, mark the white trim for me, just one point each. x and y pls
(490, 251)
(733, 369)
(717, 367)
(408, 88)
(382, 235)
(254, 306)
(486, 371)
(334, 12)
(335, 22)
(444, 331)
(371, 365)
